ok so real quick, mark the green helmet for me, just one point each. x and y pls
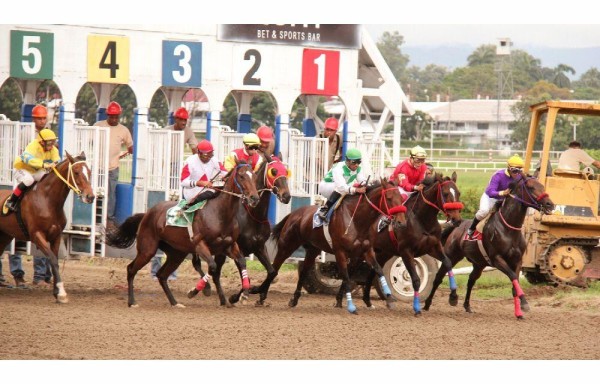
(353, 154)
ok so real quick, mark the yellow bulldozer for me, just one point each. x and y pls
(562, 248)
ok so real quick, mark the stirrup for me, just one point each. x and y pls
(322, 214)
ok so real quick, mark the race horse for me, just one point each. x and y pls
(347, 237)
(40, 216)
(422, 233)
(214, 232)
(501, 245)
(255, 228)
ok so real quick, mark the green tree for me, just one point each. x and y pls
(560, 78)
(11, 100)
(389, 45)
(159, 109)
(86, 105)
(483, 55)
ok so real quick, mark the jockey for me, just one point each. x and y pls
(249, 153)
(199, 173)
(343, 178)
(410, 173)
(39, 157)
(497, 189)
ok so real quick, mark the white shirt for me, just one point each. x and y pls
(193, 170)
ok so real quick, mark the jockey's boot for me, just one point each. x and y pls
(206, 195)
(11, 203)
(472, 228)
(322, 213)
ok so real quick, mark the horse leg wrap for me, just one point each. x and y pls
(452, 280)
(416, 303)
(518, 312)
(384, 286)
(202, 283)
(517, 287)
(351, 306)
(245, 280)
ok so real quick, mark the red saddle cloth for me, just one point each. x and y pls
(476, 236)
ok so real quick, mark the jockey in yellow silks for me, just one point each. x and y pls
(39, 157)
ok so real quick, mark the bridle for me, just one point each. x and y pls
(70, 177)
(534, 202)
(389, 212)
(441, 204)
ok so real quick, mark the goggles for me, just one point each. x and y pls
(254, 147)
(355, 161)
(515, 170)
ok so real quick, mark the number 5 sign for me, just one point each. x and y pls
(320, 72)
(31, 55)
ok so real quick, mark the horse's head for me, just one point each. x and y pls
(446, 196)
(276, 176)
(78, 176)
(390, 200)
(243, 179)
(529, 191)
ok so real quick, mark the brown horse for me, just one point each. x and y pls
(255, 228)
(214, 233)
(40, 217)
(349, 235)
(422, 233)
(503, 243)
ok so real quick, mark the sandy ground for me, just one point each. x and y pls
(97, 324)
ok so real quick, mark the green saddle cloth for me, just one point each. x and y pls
(177, 217)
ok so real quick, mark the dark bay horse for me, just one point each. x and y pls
(40, 216)
(255, 228)
(503, 243)
(422, 233)
(349, 234)
(214, 233)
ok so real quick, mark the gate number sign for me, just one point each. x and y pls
(181, 64)
(31, 55)
(320, 72)
(108, 59)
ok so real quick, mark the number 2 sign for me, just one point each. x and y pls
(320, 72)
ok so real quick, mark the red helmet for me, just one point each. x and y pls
(181, 113)
(39, 111)
(205, 146)
(331, 123)
(113, 108)
(265, 133)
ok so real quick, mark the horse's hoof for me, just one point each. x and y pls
(520, 317)
(133, 305)
(244, 300)
(453, 300)
(391, 298)
(192, 293)
(207, 291)
(372, 306)
(62, 299)
(418, 314)
(525, 307)
(178, 306)
(292, 303)
(355, 312)
(234, 299)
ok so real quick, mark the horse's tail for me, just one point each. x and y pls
(446, 233)
(124, 236)
(276, 231)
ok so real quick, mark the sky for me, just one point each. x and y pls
(521, 35)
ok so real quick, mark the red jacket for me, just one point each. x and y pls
(411, 177)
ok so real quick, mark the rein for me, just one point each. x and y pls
(537, 205)
(445, 206)
(70, 176)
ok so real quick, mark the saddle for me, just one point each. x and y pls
(178, 217)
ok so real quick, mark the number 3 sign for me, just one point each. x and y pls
(320, 72)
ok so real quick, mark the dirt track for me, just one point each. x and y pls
(97, 324)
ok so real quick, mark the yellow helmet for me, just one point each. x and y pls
(47, 134)
(250, 139)
(516, 161)
(418, 152)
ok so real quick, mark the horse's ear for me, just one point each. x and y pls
(454, 176)
(82, 155)
(71, 160)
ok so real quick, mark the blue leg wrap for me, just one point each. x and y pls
(453, 285)
(351, 306)
(384, 286)
(416, 304)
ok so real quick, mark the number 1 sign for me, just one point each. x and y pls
(320, 72)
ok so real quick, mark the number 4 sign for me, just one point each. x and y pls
(320, 72)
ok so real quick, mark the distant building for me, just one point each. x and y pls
(475, 122)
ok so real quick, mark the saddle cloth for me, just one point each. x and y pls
(177, 217)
